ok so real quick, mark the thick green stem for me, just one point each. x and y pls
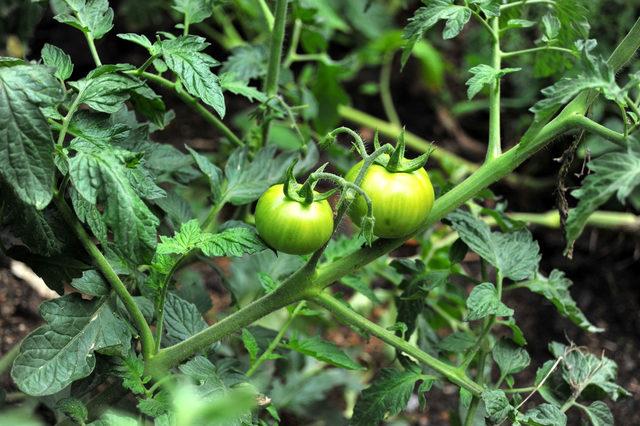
(146, 337)
(275, 56)
(276, 340)
(598, 219)
(600, 130)
(348, 316)
(194, 104)
(494, 148)
(295, 288)
(385, 90)
(93, 50)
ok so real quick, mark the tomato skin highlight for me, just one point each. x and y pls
(292, 227)
(401, 201)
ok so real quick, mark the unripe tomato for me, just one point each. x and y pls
(290, 226)
(401, 201)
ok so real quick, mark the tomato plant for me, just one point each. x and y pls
(202, 284)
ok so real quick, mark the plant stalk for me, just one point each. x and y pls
(494, 148)
(146, 337)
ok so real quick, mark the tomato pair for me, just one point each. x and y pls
(401, 201)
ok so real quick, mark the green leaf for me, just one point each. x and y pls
(181, 319)
(113, 419)
(212, 172)
(238, 87)
(581, 369)
(551, 25)
(74, 409)
(246, 181)
(89, 214)
(426, 17)
(598, 414)
(388, 395)
(139, 39)
(194, 11)
(496, 405)
(458, 342)
(612, 173)
(56, 58)
(91, 283)
(232, 242)
(485, 75)
(490, 8)
(483, 301)
(157, 405)
(183, 55)
(99, 173)
(596, 74)
(62, 350)
(510, 358)
(544, 415)
(93, 17)
(149, 104)
(555, 288)
(131, 370)
(267, 283)
(250, 344)
(325, 352)
(515, 254)
(247, 62)
(106, 92)
(26, 142)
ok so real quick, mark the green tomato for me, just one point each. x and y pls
(401, 201)
(292, 227)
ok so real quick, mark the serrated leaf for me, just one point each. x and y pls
(99, 174)
(181, 319)
(457, 342)
(114, 419)
(511, 359)
(324, 351)
(247, 62)
(183, 55)
(612, 173)
(139, 39)
(131, 370)
(74, 409)
(212, 172)
(56, 58)
(232, 242)
(491, 8)
(456, 17)
(26, 142)
(105, 92)
(496, 405)
(544, 415)
(91, 283)
(250, 344)
(149, 104)
(555, 288)
(93, 16)
(246, 180)
(483, 301)
(599, 414)
(238, 87)
(62, 350)
(514, 254)
(387, 395)
(194, 11)
(485, 75)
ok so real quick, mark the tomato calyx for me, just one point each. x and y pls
(396, 162)
(305, 193)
